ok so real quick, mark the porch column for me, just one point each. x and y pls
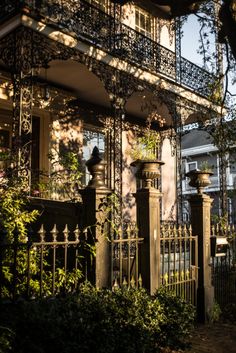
(117, 152)
(148, 222)
(200, 219)
(94, 196)
(22, 73)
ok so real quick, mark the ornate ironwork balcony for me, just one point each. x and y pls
(92, 25)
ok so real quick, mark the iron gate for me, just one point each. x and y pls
(224, 268)
(179, 269)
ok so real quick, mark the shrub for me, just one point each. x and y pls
(101, 321)
(229, 313)
(180, 317)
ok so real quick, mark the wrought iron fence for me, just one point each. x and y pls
(179, 269)
(47, 264)
(98, 28)
(224, 267)
(125, 250)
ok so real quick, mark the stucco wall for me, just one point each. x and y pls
(168, 182)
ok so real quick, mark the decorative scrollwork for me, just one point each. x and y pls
(196, 78)
(97, 28)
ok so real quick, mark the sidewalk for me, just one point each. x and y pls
(215, 338)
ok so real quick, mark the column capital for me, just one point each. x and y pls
(199, 199)
(148, 192)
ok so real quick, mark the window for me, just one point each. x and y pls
(90, 140)
(191, 166)
(101, 4)
(144, 22)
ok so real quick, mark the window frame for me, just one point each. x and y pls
(102, 5)
(187, 166)
(98, 130)
(141, 12)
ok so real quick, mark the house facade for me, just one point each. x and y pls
(198, 149)
(80, 74)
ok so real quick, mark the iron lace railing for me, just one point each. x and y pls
(178, 265)
(98, 28)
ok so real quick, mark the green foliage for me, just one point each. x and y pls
(215, 313)
(205, 166)
(65, 178)
(221, 221)
(180, 318)
(101, 321)
(146, 145)
(15, 216)
(229, 313)
(108, 206)
(13, 206)
(6, 339)
(64, 281)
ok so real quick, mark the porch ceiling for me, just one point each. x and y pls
(76, 78)
(86, 86)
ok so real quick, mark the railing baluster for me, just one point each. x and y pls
(66, 235)
(85, 235)
(138, 276)
(15, 252)
(128, 231)
(77, 241)
(54, 233)
(30, 236)
(112, 259)
(120, 256)
(41, 233)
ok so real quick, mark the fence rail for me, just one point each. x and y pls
(46, 264)
(179, 269)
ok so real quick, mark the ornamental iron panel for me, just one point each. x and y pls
(85, 21)
(47, 263)
(178, 260)
(196, 78)
(125, 249)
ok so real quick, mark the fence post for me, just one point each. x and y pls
(148, 222)
(93, 195)
(201, 226)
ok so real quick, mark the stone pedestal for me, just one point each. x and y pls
(99, 267)
(200, 219)
(93, 196)
(148, 221)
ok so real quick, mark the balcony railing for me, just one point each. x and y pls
(92, 25)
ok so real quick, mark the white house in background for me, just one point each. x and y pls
(198, 148)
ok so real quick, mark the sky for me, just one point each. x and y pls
(190, 44)
(189, 41)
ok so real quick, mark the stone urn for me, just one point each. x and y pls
(199, 179)
(96, 167)
(147, 170)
